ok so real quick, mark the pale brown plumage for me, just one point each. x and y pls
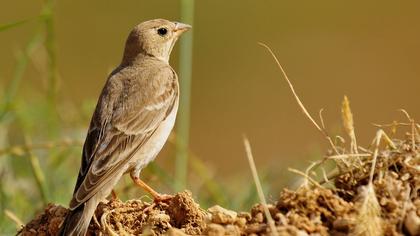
(132, 120)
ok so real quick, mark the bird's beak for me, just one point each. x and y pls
(181, 27)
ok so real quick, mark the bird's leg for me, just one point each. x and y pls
(156, 196)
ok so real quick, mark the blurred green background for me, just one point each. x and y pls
(55, 60)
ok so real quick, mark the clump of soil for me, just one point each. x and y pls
(351, 200)
(133, 217)
(46, 223)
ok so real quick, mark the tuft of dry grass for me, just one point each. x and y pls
(368, 219)
(357, 181)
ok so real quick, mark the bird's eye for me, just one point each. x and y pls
(162, 31)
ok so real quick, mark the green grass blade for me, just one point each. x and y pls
(12, 25)
(47, 17)
(183, 120)
(22, 62)
(38, 173)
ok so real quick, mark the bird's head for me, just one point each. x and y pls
(154, 38)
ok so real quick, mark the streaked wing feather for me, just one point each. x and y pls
(130, 125)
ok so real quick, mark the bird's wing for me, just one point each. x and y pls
(128, 112)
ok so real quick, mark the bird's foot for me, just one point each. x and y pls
(156, 196)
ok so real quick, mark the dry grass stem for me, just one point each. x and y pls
(344, 156)
(323, 131)
(377, 141)
(308, 170)
(413, 129)
(19, 223)
(325, 178)
(307, 177)
(259, 187)
(391, 124)
(321, 118)
(386, 138)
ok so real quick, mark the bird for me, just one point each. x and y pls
(133, 118)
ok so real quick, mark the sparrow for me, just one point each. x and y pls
(133, 118)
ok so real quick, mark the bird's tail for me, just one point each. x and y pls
(77, 220)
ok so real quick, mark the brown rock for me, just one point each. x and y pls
(221, 215)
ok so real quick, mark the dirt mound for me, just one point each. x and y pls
(133, 217)
(374, 192)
